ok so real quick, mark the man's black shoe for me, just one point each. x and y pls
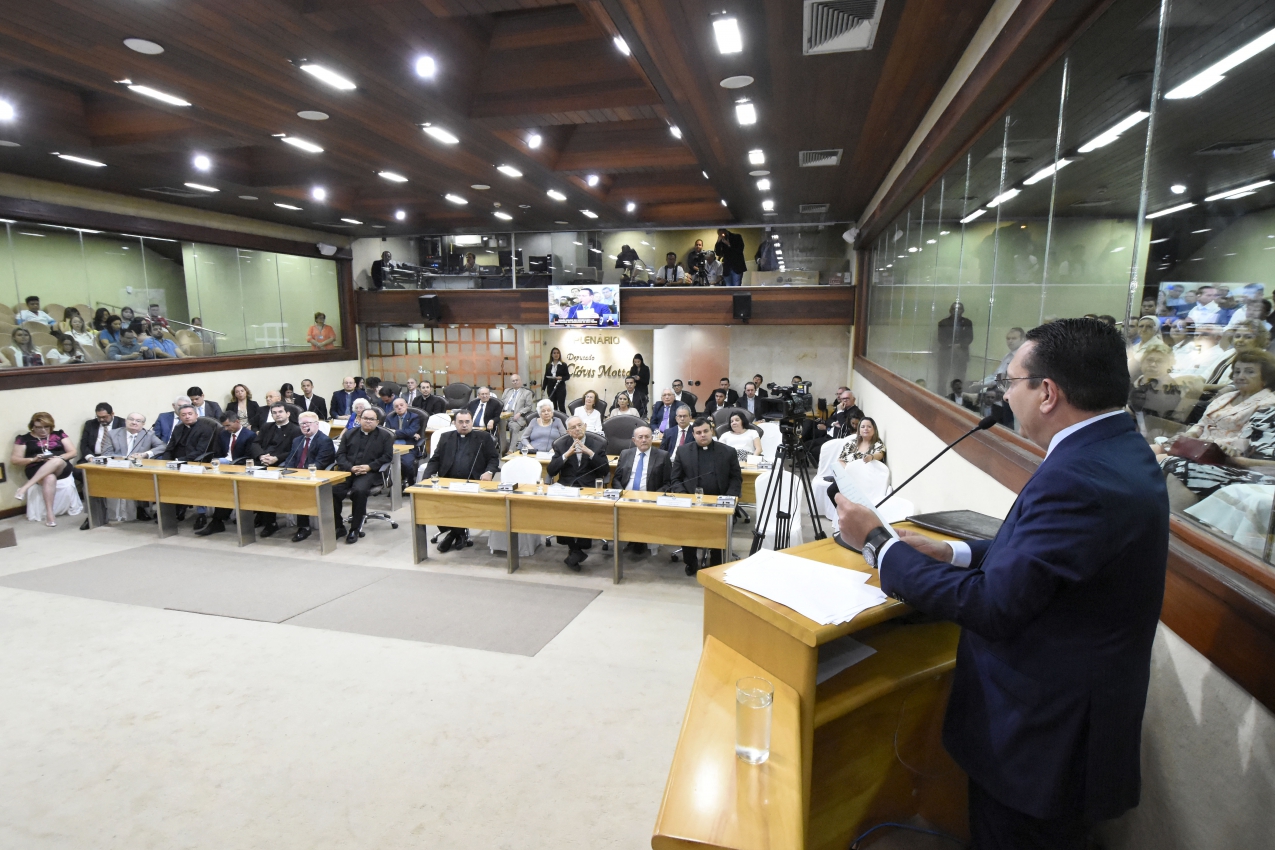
(214, 527)
(575, 558)
(352, 536)
(84, 526)
(690, 570)
(258, 521)
(181, 513)
(448, 542)
(142, 516)
(201, 521)
(302, 533)
(268, 530)
(340, 530)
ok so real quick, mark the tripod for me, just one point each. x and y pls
(790, 449)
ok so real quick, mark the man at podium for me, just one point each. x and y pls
(1058, 613)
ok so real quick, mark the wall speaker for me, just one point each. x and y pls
(742, 306)
(431, 310)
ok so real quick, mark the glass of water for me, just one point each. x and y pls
(314, 470)
(597, 484)
(753, 702)
(699, 495)
(433, 480)
(216, 464)
(523, 450)
(249, 464)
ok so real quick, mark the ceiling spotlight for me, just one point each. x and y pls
(556, 195)
(425, 67)
(440, 134)
(7, 112)
(630, 207)
(1111, 135)
(764, 184)
(201, 187)
(81, 160)
(534, 140)
(327, 75)
(455, 199)
(729, 40)
(1169, 211)
(201, 162)
(399, 215)
(351, 221)
(1177, 188)
(746, 113)
(723, 202)
(141, 45)
(737, 82)
(621, 45)
(676, 131)
(308, 147)
(319, 193)
(757, 157)
(503, 216)
(286, 206)
(592, 180)
(768, 205)
(509, 170)
(170, 99)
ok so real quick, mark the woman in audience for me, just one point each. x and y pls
(46, 453)
(1157, 393)
(288, 394)
(592, 418)
(1248, 335)
(642, 380)
(1148, 334)
(1224, 419)
(23, 351)
(865, 446)
(113, 332)
(65, 325)
(321, 335)
(741, 438)
(127, 316)
(359, 405)
(80, 333)
(68, 351)
(100, 318)
(544, 429)
(1185, 351)
(1189, 481)
(620, 406)
(556, 376)
(241, 402)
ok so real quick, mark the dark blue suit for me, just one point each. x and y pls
(245, 447)
(669, 437)
(657, 415)
(322, 454)
(1058, 615)
(164, 424)
(341, 402)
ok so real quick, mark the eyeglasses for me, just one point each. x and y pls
(1003, 383)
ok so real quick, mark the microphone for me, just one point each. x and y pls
(983, 424)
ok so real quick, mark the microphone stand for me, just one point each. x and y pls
(983, 425)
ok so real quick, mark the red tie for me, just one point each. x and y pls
(230, 452)
(305, 450)
(681, 436)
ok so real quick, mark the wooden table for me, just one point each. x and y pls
(870, 748)
(297, 493)
(748, 491)
(396, 475)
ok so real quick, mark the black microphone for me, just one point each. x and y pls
(983, 424)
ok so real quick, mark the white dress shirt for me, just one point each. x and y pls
(102, 432)
(645, 459)
(681, 438)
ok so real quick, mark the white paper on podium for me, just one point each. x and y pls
(840, 654)
(847, 488)
(821, 592)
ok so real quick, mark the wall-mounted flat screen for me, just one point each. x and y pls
(584, 306)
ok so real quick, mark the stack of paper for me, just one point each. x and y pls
(826, 594)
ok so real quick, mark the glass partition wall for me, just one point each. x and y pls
(1134, 181)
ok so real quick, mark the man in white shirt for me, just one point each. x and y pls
(642, 468)
(134, 440)
(1205, 310)
(518, 401)
(680, 434)
(33, 313)
(670, 274)
(1253, 294)
(712, 269)
(486, 411)
(749, 399)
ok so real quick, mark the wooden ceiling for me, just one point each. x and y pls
(505, 68)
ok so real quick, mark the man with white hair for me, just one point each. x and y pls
(518, 401)
(167, 421)
(486, 411)
(579, 459)
(134, 440)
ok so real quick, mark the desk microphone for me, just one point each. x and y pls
(983, 424)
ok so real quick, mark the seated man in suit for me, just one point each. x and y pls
(428, 402)
(311, 403)
(748, 401)
(680, 433)
(408, 428)
(410, 392)
(520, 404)
(236, 444)
(312, 448)
(134, 440)
(642, 468)
(663, 412)
(274, 444)
(192, 438)
(204, 406)
(168, 420)
(464, 453)
(709, 466)
(486, 411)
(579, 460)
(716, 402)
(343, 399)
(732, 397)
(96, 433)
(364, 451)
(683, 397)
(760, 385)
(385, 399)
(264, 416)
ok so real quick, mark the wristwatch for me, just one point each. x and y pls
(872, 544)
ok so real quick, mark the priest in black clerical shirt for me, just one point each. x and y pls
(192, 438)
(709, 466)
(465, 454)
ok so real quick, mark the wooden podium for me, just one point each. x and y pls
(860, 749)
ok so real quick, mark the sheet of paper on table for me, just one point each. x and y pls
(672, 502)
(544, 455)
(464, 487)
(838, 655)
(826, 594)
(568, 492)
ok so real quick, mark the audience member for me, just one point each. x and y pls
(127, 316)
(662, 411)
(95, 436)
(312, 448)
(519, 403)
(80, 332)
(639, 392)
(235, 445)
(385, 399)
(759, 383)
(288, 394)
(167, 421)
(429, 402)
(156, 317)
(408, 426)
(748, 401)
(67, 352)
(544, 430)
(865, 446)
(717, 401)
(670, 274)
(464, 453)
(321, 335)
(273, 397)
(1210, 361)
(162, 347)
(1147, 334)
(1206, 309)
(192, 438)
(620, 407)
(364, 452)
(134, 440)
(705, 465)
(732, 397)
(311, 403)
(360, 405)
(203, 406)
(1225, 417)
(128, 348)
(33, 313)
(111, 334)
(682, 397)
(1157, 393)
(68, 313)
(274, 444)
(1189, 481)
(587, 411)
(679, 434)
(23, 351)
(1182, 341)
(342, 403)
(46, 453)
(1250, 335)
(485, 411)
(714, 271)
(100, 318)
(744, 440)
(642, 468)
(579, 460)
(730, 250)
(557, 374)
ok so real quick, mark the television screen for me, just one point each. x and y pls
(584, 306)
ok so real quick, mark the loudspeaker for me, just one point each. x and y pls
(742, 306)
(430, 308)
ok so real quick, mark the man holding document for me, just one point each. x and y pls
(1059, 612)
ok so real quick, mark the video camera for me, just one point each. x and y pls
(786, 403)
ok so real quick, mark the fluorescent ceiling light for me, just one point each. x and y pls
(746, 113)
(286, 206)
(1202, 230)
(426, 66)
(757, 157)
(170, 99)
(1111, 135)
(441, 135)
(723, 202)
(764, 185)
(509, 170)
(768, 205)
(319, 193)
(201, 162)
(81, 160)
(141, 45)
(1158, 241)
(534, 140)
(6, 111)
(556, 195)
(1177, 188)
(621, 45)
(676, 131)
(592, 179)
(630, 207)
(573, 242)
(399, 215)
(481, 187)
(1232, 193)
(705, 173)
(1003, 197)
(589, 214)
(729, 40)
(308, 147)
(1216, 72)
(775, 236)
(1169, 211)
(392, 176)
(455, 199)
(503, 216)
(1047, 171)
(973, 216)
(468, 240)
(326, 75)
(351, 221)
(201, 187)
(944, 232)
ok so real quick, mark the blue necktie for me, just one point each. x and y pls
(637, 473)
(664, 424)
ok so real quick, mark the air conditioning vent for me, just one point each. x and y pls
(812, 209)
(175, 192)
(1229, 148)
(818, 159)
(839, 26)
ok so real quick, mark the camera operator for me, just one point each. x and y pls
(670, 274)
(695, 259)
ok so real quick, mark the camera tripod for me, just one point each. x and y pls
(789, 450)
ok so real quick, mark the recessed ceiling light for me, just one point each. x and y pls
(556, 195)
(351, 221)
(745, 113)
(7, 111)
(312, 115)
(577, 243)
(621, 45)
(1201, 230)
(1216, 72)
(508, 170)
(170, 99)
(247, 197)
(592, 180)
(201, 187)
(534, 140)
(588, 213)
(767, 205)
(81, 160)
(392, 176)
(441, 135)
(1177, 188)
(308, 147)
(426, 67)
(757, 156)
(729, 39)
(763, 185)
(503, 216)
(944, 232)
(8, 144)
(319, 193)
(973, 216)
(455, 199)
(141, 45)
(399, 215)
(737, 82)
(1106, 138)
(481, 187)
(761, 173)
(201, 162)
(1158, 241)
(630, 206)
(378, 227)
(327, 75)
(560, 221)
(286, 206)
(676, 131)
(775, 236)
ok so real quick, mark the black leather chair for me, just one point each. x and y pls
(457, 395)
(601, 406)
(619, 432)
(722, 417)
